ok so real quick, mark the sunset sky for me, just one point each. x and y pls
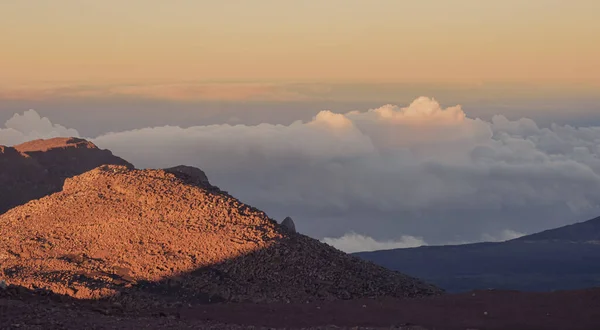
(436, 121)
(473, 41)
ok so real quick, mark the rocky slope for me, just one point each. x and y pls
(37, 168)
(168, 236)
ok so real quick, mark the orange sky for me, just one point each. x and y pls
(541, 41)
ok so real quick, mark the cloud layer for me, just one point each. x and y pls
(415, 158)
(383, 173)
(353, 242)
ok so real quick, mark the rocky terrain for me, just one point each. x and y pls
(491, 310)
(90, 242)
(142, 236)
(38, 168)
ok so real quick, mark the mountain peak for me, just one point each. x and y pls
(37, 168)
(42, 145)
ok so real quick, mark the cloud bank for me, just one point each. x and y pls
(353, 242)
(421, 157)
(30, 126)
(383, 173)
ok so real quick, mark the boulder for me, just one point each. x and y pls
(196, 175)
(289, 225)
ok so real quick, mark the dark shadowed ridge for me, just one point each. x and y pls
(586, 231)
(564, 258)
(38, 168)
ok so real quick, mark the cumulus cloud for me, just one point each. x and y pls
(421, 157)
(390, 169)
(353, 242)
(30, 126)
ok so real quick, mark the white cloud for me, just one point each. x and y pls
(417, 158)
(415, 163)
(352, 242)
(30, 126)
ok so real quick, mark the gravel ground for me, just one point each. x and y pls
(476, 310)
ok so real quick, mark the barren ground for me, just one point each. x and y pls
(476, 310)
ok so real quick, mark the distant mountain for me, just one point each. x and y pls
(38, 168)
(559, 259)
(587, 231)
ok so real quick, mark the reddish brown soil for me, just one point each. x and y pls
(38, 168)
(571, 310)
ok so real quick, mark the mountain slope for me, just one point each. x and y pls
(154, 235)
(37, 168)
(558, 259)
(587, 231)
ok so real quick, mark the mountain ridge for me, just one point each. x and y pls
(584, 231)
(563, 258)
(37, 168)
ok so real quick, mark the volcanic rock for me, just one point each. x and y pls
(191, 174)
(148, 236)
(38, 168)
(289, 225)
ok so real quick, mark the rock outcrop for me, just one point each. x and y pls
(38, 168)
(192, 175)
(144, 236)
(289, 225)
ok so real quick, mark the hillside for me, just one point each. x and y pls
(38, 168)
(145, 236)
(564, 258)
(582, 232)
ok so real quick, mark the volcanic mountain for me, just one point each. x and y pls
(144, 236)
(564, 258)
(581, 232)
(37, 168)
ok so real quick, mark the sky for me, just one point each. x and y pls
(86, 41)
(373, 124)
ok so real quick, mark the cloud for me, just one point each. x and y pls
(30, 126)
(504, 235)
(423, 170)
(421, 157)
(352, 242)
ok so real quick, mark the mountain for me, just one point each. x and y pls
(37, 168)
(582, 232)
(169, 236)
(559, 259)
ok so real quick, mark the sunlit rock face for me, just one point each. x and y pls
(151, 235)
